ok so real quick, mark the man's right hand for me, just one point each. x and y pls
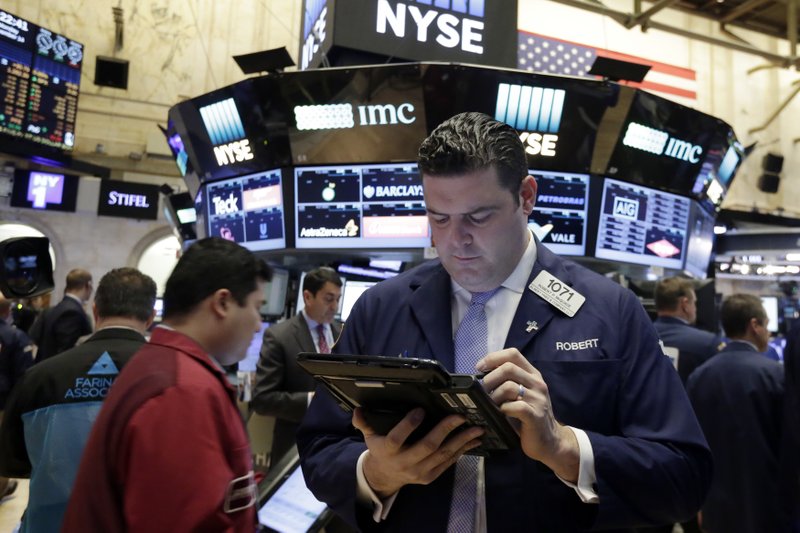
(390, 463)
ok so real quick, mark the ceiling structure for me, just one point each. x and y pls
(776, 18)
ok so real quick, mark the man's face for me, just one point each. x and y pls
(322, 306)
(241, 323)
(762, 334)
(479, 228)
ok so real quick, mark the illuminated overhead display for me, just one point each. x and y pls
(360, 206)
(44, 190)
(40, 74)
(467, 31)
(559, 216)
(642, 225)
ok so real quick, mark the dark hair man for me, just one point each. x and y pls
(738, 397)
(608, 439)
(676, 305)
(52, 409)
(16, 356)
(59, 328)
(283, 389)
(169, 450)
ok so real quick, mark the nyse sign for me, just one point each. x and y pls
(445, 29)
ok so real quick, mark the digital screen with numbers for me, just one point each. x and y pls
(360, 206)
(40, 73)
(642, 225)
(559, 216)
(44, 190)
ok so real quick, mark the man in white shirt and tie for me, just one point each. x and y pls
(283, 389)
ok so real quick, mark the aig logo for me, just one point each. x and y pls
(225, 129)
(446, 29)
(626, 208)
(535, 111)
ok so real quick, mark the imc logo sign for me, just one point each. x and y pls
(224, 127)
(659, 142)
(534, 111)
(445, 23)
(44, 188)
(342, 116)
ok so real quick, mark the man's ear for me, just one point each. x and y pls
(527, 192)
(220, 302)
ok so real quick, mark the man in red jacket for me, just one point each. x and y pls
(169, 450)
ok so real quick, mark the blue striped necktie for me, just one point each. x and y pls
(470, 346)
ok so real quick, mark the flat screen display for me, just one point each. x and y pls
(44, 190)
(292, 508)
(770, 304)
(559, 216)
(642, 225)
(248, 210)
(351, 292)
(127, 199)
(248, 364)
(275, 292)
(360, 206)
(40, 75)
(700, 241)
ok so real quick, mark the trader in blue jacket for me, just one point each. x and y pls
(608, 439)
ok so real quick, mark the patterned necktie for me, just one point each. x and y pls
(323, 344)
(470, 346)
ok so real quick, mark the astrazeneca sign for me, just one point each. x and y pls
(224, 127)
(470, 31)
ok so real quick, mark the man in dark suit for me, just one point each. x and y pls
(283, 389)
(738, 396)
(59, 328)
(607, 438)
(53, 407)
(676, 305)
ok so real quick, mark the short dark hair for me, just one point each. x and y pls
(126, 292)
(316, 279)
(77, 278)
(669, 291)
(470, 142)
(737, 311)
(207, 266)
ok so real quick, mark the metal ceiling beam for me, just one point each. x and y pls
(791, 26)
(621, 17)
(777, 112)
(640, 17)
(740, 10)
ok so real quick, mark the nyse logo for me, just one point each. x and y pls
(445, 26)
(626, 208)
(315, 36)
(225, 206)
(535, 111)
(225, 129)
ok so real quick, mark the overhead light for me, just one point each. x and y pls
(793, 256)
(719, 230)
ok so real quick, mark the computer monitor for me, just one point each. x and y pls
(559, 216)
(353, 290)
(275, 292)
(285, 504)
(770, 304)
(159, 308)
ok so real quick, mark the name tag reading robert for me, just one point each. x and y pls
(557, 293)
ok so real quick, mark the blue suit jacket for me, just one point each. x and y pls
(695, 346)
(738, 397)
(652, 462)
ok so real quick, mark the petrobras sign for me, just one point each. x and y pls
(659, 142)
(467, 31)
(226, 131)
(533, 111)
(343, 116)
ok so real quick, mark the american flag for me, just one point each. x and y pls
(538, 53)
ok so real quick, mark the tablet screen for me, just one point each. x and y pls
(292, 508)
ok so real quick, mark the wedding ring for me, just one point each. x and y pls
(521, 393)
